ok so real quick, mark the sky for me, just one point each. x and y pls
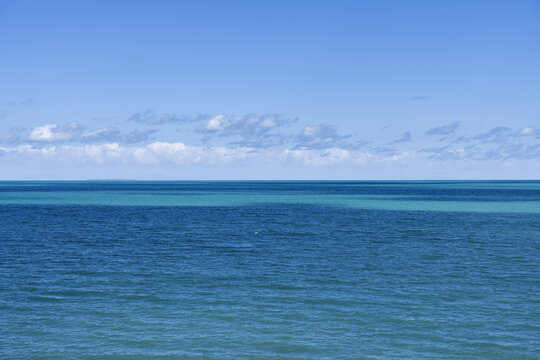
(190, 90)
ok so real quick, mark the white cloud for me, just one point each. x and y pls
(27, 149)
(316, 145)
(96, 153)
(216, 123)
(527, 131)
(156, 152)
(49, 133)
(316, 157)
(180, 153)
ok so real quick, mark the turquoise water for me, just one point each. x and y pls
(269, 270)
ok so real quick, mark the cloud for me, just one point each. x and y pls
(320, 137)
(113, 134)
(160, 152)
(156, 152)
(215, 124)
(444, 130)
(105, 134)
(497, 134)
(136, 136)
(52, 132)
(383, 150)
(75, 132)
(446, 153)
(318, 157)
(28, 150)
(520, 151)
(252, 130)
(419, 98)
(405, 137)
(262, 141)
(151, 117)
(499, 143)
(481, 152)
(529, 131)
(12, 135)
(333, 156)
(500, 135)
(246, 125)
(255, 136)
(181, 153)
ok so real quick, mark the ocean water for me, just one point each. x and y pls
(270, 270)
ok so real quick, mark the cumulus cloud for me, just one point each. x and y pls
(161, 152)
(257, 137)
(156, 152)
(449, 129)
(151, 117)
(96, 153)
(181, 153)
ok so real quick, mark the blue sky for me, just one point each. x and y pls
(269, 89)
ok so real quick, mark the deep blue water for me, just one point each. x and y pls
(269, 270)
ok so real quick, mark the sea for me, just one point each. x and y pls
(270, 270)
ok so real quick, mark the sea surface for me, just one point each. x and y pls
(270, 270)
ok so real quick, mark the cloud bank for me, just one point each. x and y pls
(259, 139)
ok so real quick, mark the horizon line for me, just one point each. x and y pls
(257, 180)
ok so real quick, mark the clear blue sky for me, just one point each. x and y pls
(269, 89)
